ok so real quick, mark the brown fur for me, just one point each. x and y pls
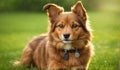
(44, 51)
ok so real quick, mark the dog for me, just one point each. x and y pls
(67, 46)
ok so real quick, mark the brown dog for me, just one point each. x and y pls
(67, 46)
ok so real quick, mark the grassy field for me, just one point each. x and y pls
(16, 29)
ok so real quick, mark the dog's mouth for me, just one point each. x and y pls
(67, 41)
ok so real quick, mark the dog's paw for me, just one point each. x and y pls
(58, 69)
(61, 69)
(79, 68)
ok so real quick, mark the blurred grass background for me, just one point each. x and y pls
(20, 20)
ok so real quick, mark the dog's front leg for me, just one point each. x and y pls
(79, 68)
(55, 65)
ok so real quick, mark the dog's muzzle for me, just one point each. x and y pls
(66, 38)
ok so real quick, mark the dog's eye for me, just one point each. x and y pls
(74, 25)
(61, 25)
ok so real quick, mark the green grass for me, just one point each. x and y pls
(106, 40)
(16, 29)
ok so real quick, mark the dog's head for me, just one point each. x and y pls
(67, 26)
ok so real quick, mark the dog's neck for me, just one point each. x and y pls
(69, 49)
(68, 46)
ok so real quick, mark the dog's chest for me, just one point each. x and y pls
(70, 56)
(68, 47)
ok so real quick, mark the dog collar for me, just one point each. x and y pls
(66, 54)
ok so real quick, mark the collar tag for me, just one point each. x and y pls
(77, 55)
(66, 55)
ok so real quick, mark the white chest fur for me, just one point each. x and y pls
(68, 47)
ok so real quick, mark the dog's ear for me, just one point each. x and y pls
(53, 10)
(79, 10)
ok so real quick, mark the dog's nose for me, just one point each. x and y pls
(66, 35)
